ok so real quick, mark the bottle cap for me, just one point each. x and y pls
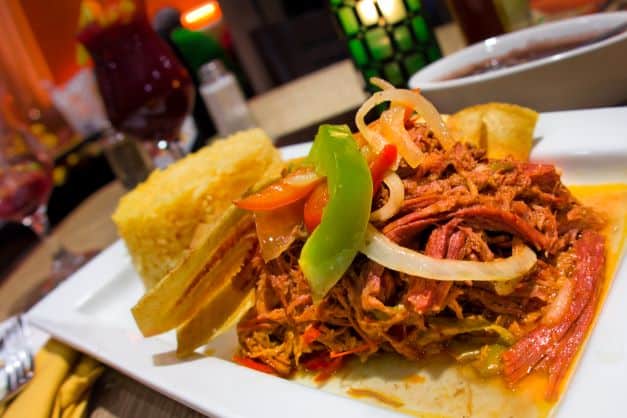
(212, 71)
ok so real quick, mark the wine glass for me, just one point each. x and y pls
(25, 187)
(146, 91)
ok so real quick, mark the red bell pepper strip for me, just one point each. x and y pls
(408, 112)
(324, 365)
(335, 365)
(311, 334)
(318, 199)
(358, 349)
(295, 186)
(314, 206)
(381, 164)
(252, 364)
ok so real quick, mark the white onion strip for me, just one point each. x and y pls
(381, 83)
(394, 120)
(559, 306)
(374, 138)
(407, 98)
(395, 199)
(301, 178)
(415, 155)
(382, 250)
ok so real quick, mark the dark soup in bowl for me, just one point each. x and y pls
(529, 53)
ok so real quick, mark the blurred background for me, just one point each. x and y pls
(89, 84)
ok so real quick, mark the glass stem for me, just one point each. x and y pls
(175, 149)
(38, 222)
(64, 262)
(165, 152)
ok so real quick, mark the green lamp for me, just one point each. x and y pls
(386, 38)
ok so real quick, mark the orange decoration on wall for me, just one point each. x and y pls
(23, 67)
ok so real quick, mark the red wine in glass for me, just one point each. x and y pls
(147, 93)
(24, 187)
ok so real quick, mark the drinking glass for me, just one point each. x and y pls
(146, 91)
(25, 186)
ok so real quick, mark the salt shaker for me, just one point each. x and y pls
(224, 99)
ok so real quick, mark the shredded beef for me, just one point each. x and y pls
(458, 205)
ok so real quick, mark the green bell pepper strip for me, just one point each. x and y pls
(489, 362)
(333, 245)
(485, 359)
(440, 329)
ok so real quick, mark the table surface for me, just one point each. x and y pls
(114, 395)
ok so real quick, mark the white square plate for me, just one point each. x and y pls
(91, 310)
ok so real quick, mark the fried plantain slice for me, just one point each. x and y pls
(225, 305)
(502, 129)
(182, 291)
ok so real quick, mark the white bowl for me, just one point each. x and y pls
(589, 76)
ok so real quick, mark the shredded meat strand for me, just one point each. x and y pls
(558, 344)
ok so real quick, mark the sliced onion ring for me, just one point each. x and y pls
(301, 178)
(392, 122)
(382, 250)
(395, 199)
(407, 98)
(556, 310)
(381, 83)
(394, 118)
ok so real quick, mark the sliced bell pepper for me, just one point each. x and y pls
(291, 188)
(318, 199)
(489, 362)
(333, 245)
(252, 364)
(358, 349)
(314, 206)
(335, 365)
(311, 334)
(447, 327)
(381, 164)
(323, 364)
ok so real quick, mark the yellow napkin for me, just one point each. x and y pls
(72, 396)
(60, 388)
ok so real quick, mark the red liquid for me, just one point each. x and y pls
(520, 56)
(23, 188)
(477, 18)
(146, 92)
